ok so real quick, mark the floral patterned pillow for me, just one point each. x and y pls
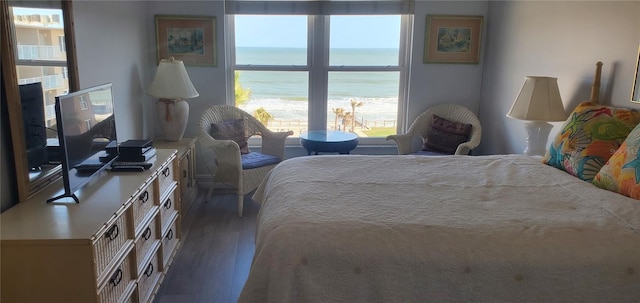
(444, 136)
(589, 137)
(231, 130)
(621, 174)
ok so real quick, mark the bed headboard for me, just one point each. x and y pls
(595, 88)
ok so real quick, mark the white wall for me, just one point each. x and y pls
(561, 39)
(111, 40)
(433, 84)
(209, 81)
(116, 43)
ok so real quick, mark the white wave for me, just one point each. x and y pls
(371, 109)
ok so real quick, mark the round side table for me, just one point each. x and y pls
(328, 141)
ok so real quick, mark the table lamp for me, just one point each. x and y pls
(539, 102)
(172, 86)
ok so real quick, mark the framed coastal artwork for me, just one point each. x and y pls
(190, 39)
(635, 91)
(452, 39)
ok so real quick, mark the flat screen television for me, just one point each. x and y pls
(32, 100)
(87, 132)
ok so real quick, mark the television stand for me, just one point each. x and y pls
(75, 198)
(115, 246)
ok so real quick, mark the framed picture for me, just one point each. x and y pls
(452, 39)
(190, 39)
(635, 91)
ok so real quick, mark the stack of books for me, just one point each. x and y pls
(136, 151)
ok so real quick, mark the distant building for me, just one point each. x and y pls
(41, 38)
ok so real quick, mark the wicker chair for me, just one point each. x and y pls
(420, 127)
(228, 164)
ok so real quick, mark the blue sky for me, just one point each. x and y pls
(291, 31)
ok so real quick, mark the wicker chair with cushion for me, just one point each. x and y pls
(446, 129)
(224, 131)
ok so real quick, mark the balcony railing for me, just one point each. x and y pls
(48, 82)
(40, 52)
(49, 112)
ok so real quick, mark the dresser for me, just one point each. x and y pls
(187, 161)
(114, 246)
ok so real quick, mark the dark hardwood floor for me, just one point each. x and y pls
(217, 246)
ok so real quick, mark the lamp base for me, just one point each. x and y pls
(173, 116)
(538, 133)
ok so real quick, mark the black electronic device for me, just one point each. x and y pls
(132, 157)
(133, 168)
(54, 153)
(145, 165)
(139, 143)
(35, 135)
(136, 146)
(87, 131)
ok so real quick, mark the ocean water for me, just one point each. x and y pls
(285, 94)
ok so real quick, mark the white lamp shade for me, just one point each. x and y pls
(539, 100)
(172, 81)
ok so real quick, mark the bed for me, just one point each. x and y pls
(498, 228)
(432, 229)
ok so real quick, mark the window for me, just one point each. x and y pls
(84, 105)
(61, 43)
(41, 53)
(334, 72)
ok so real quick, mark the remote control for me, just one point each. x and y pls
(127, 168)
(145, 165)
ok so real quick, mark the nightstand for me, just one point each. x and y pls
(187, 158)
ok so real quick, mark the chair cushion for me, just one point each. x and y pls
(621, 174)
(444, 136)
(231, 130)
(589, 137)
(255, 160)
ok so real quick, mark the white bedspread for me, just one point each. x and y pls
(440, 229)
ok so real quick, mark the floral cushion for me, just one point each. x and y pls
(444, 136)
(231, 130)
(621, 174)
(589, 137)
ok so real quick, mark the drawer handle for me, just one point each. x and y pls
(116, 278)
(149, 270)
(170, 234)
(184, 173)
(113, 232)
(147, 233)
(167, 204)
(144, 197)
(165, 172)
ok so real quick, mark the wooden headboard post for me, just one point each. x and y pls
(595, 88)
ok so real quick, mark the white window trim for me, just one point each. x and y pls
(318, 69)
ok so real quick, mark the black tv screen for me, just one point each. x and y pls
(87, 131)
(35, 135)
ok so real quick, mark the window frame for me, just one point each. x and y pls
(318, 69)
(26, 187)
(45, 63)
